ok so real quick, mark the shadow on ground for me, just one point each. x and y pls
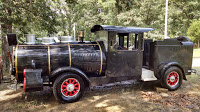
(138, 97)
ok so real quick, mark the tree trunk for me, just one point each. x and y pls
(5, 48)
(117, 6)
(69, 26)
(6, 27)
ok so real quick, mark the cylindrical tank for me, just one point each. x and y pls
(89, 57)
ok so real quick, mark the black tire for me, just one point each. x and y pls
(172, 78)
(68, 88)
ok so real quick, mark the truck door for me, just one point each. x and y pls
(124, 56)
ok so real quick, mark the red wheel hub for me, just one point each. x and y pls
(70, 87)
(172, 78)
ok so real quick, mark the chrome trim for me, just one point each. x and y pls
(70, 59)
(101, 58)
(49, 60)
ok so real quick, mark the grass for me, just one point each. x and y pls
(196, 53)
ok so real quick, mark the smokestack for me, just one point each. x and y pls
(81, 35)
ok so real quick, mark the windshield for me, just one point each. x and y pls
(102, 36)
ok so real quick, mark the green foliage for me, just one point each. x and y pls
(194, 31)
(28, 16)
(145, 13)
(181, 13)
(53, 17)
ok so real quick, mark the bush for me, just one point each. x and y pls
(194, 31)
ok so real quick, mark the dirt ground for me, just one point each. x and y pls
(140, 97)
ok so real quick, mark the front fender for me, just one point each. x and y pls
(61, 70)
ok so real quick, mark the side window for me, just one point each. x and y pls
(126, 42)
(134, 41)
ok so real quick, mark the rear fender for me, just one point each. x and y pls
(164, 66)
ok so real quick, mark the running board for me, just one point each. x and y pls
(148, 75)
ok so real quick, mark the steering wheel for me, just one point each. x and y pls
(119, 48)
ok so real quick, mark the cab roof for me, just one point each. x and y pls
(120, 29)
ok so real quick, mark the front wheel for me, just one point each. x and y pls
(68, 88)
(172, 78)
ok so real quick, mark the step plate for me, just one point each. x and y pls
(148, 75)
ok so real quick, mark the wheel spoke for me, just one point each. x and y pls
(66, 82)
(64, 90)
(76, 88)
(69, 81)
(67, 93)
(73, 81)
(64, 86)
(70, 93)
(76, 84)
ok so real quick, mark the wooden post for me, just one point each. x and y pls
(166, 16)
(1, 69)
(0, 77)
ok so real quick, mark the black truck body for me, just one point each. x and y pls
(115, 56)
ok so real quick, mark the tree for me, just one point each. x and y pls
(194, 31)
(6, 27)
(181, 13)
(25, 16)
(144, 13)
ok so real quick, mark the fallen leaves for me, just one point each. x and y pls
(183, 100)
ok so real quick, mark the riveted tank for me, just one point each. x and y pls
(89, 57)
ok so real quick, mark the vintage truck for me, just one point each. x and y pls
(117, 54)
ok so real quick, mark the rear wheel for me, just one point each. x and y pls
(172, 78)
(68, 88)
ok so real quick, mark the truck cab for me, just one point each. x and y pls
(124, 49)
